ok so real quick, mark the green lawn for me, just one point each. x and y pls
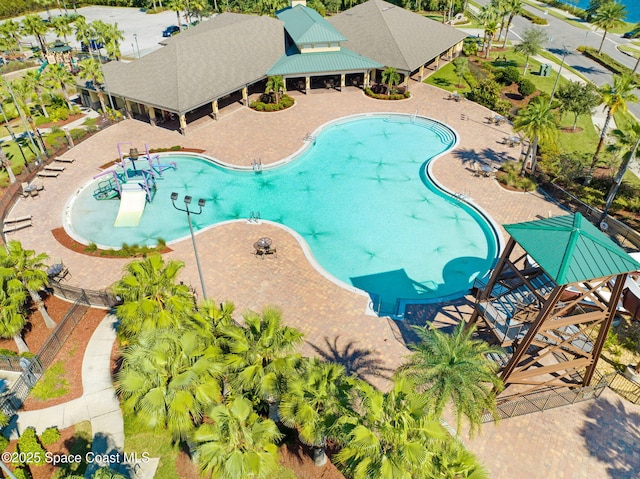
(585, 141)
(446, 79)
(138, 439)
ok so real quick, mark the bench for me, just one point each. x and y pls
(48, 174)
(15, 224)
(64, 160)
(54, 168)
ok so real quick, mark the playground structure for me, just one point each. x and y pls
(132, 185)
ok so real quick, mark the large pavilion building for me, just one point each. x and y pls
(224, 60)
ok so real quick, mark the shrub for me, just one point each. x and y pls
(50, 436)
(508, 75)
(512, 178)
(4, 442)
(285, 102)
(526, 87)
(486, 93)
(22, 472)
(535, 19)
(470, 46)
(7, 352)
(30, 445)
(175, 148)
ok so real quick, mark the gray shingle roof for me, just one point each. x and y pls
(306, 26)
(394, 36)
(208, 61)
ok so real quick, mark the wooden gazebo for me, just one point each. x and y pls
(550, 301)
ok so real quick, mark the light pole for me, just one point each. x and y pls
(187, 202)
(135, 36)
(555, 84)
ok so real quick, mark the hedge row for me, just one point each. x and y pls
(285, 102)
(393, 96)
(535, 19)
(607, 62)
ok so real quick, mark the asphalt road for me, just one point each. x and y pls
(563, 34)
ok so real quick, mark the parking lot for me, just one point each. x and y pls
(142, 31)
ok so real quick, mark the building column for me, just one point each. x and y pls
(183, 124)
(127, 107)
(245, 96)
(307, 85)
(343, 83)
(152, 115)
(421, 73)
(214, 109)
(437, 62)
(406, 82)
(366, 79)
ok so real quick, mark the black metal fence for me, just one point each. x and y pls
(33, 368)
(538, 401)
(627, 388)
(97, 299)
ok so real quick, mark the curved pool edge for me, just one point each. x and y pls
(308, 141)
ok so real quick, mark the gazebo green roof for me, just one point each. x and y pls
(320, 62)
(306, 26)
(570, 249)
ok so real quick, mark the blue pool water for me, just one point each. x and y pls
(359, 197)
(633, 8)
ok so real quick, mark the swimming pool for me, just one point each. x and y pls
(359, 195)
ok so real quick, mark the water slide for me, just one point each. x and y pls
(132, 202)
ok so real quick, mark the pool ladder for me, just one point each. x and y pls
(463, 195)
(254, 217)
(309, 137)
(256, 165)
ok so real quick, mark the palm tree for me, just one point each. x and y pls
(30, 270)
(12, 312)
(4, 163)
(609, 15)
(512, 8)
(169, 378)
(84, 32)
(32, 79)
(454, 368)
(453, 461)
(388, 434)
(177, 6)
(531, 44)
(90, 70)
(275, 84)
(152, 298)
(10, 31)
(34, 25)
(461, 68)
(60, 78)
(615, 97)
(538, 124)
(488, 16)
(62, 27)
(260, 355)
(313, 404)
(490, 29)
(238, 444)
(632, 137)
(391, 77)
(24, 95)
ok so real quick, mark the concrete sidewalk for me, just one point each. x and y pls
(98, 404)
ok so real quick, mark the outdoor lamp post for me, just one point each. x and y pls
(187, 202)
(565, 52)
(135, 36)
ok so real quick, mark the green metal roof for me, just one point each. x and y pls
(306, 26)
(570, 249)
(339, 61)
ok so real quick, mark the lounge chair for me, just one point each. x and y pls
(48, 174)
(15, 224)
(64, 160)
(18, 219)
(54, 168)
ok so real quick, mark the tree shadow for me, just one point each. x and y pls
(611, 433)
(442, 82)
(582, 69)
(107, 454)
(487, 156)
(357, 361)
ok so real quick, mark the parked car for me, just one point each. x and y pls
(95, 45)
(635, 33)
(170, 31)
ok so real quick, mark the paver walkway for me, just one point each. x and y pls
(333, 319)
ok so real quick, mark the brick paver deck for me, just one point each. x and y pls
(334, 319)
